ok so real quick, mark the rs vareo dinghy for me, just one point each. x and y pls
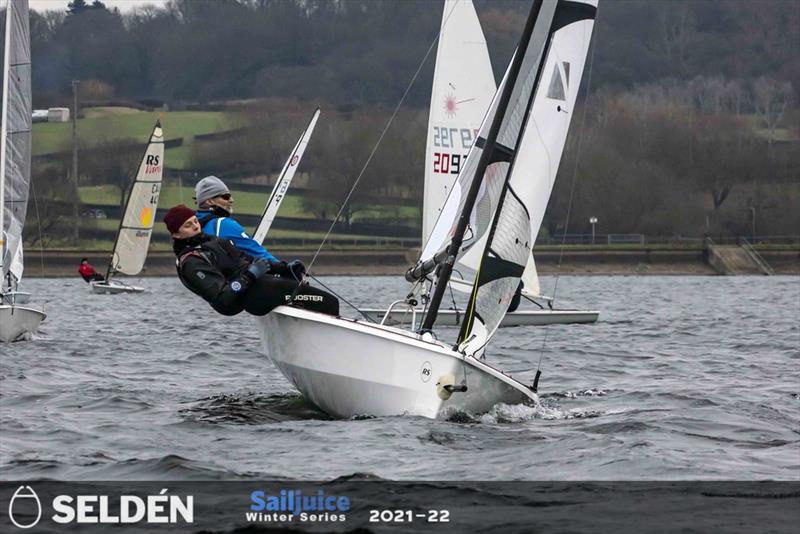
(351, 367)
(136, 225)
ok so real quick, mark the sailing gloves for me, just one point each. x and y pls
(246, 278)
(297, 269)
(259, 268)
(256, 270)
(294, 269)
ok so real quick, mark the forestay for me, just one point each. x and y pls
(532, 135)
(284, 181)
(15, 161)
(136, 226)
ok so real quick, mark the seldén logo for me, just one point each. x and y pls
(22, 503)
(100, 509)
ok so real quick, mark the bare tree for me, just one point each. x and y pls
(770, 98)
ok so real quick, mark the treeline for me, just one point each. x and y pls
(691, 121)
(681, 158)
(361, 52)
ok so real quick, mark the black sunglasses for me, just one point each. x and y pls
(226, 196)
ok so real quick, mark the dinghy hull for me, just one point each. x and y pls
(114, 288)
(350, 368)
(18, 323)
(518, 318)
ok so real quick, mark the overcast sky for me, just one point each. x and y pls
(61, 5)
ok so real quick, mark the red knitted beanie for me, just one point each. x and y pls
(176, 216)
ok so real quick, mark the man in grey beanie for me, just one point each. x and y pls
(215, 207)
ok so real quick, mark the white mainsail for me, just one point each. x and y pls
(136, 226)
(463, 87)
(542, 100)
(284, 181)
(15, 158)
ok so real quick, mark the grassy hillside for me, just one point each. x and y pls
(104, 124)
(244, 202)
(248, 203)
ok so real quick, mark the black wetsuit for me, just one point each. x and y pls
(217, 271)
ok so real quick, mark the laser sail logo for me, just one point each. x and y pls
(22, 504)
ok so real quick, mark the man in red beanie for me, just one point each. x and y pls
(230, 280)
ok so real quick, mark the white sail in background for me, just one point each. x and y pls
(136, 226)
(563, 31)
(284, 181)
(463, 87)
(15, 161)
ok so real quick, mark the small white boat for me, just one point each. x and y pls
(16, 322)
(113, 287)
(136, 225)
(494, 211)
(454, 317)
(380, 370)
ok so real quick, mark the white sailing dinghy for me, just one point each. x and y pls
(284, 181)
(463, 86)
(16, 322)
(136, 224)
(351, 367)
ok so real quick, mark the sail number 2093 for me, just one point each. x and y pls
(409, 516)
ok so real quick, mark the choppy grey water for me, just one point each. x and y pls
(682, 378)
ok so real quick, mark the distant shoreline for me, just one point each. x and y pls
(574, 261)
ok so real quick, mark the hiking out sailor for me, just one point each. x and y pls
(88, 272)
(232, 281)
(214, 209)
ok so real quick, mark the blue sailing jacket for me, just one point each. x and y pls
(228, 228)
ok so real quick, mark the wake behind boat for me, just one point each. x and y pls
(136, 225)
(352, 367)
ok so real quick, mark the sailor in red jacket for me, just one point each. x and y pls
(88, 273)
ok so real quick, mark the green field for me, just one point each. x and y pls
(106, 124)
(247, 203)
(244, 202)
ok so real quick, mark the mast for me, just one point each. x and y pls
(110, 269)
(445, 270)
(3, 137)
(465, 326)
